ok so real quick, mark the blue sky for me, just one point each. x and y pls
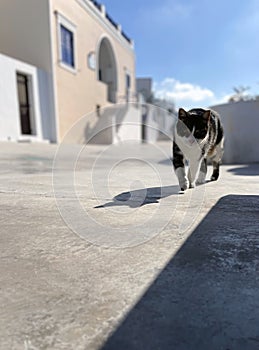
(196, 51)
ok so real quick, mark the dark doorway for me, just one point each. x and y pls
(24, 103)
(144, 123)
(107, 69)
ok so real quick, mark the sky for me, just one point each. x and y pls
(195, 51)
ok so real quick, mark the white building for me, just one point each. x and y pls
(25, 105)
(60, 60)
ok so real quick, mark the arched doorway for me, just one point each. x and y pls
(107, 69)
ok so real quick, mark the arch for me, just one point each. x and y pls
(107, 68)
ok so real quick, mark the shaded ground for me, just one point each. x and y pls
(189, 280)
(207, 295)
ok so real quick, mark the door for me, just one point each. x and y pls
(24, 104)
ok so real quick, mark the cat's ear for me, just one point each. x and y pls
(206, 116)
(182, 113)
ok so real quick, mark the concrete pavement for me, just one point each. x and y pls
(101, 252)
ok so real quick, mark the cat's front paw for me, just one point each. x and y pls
(201, 178)
(184, 186)
(200, 182)
(214, 177)
(182, 179)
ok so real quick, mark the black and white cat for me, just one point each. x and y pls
(198, 136)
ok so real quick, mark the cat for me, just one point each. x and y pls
(198, 136)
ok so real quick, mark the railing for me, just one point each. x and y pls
(110, 19)
(97, 5)
(125, 37)
(128, 98)
(115, 25)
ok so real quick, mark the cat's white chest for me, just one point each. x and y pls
(189, 146)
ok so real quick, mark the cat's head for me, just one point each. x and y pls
(194, 122)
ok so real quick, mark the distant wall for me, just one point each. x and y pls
(241, 125)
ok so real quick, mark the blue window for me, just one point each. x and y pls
(67, 46)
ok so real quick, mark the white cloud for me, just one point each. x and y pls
(173, 9)
(167, 12)
(183, 94)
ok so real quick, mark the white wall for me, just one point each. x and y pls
(47, 108)
(10, 127)
(25, 31)
(241, 125)
(25, 35)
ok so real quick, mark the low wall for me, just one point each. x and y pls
(116, 123)
(241, 126)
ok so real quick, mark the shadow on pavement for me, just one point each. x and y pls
(138, 198)
(167, 161)
(207, 296)
(247, 170)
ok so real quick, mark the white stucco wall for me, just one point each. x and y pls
(241, 125)
(10, 126)
(25, 31)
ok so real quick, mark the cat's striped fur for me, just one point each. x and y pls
(198, 136)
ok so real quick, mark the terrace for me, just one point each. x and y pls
(189, 280)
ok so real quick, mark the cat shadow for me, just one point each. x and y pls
(138, 198)
(245, 170)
